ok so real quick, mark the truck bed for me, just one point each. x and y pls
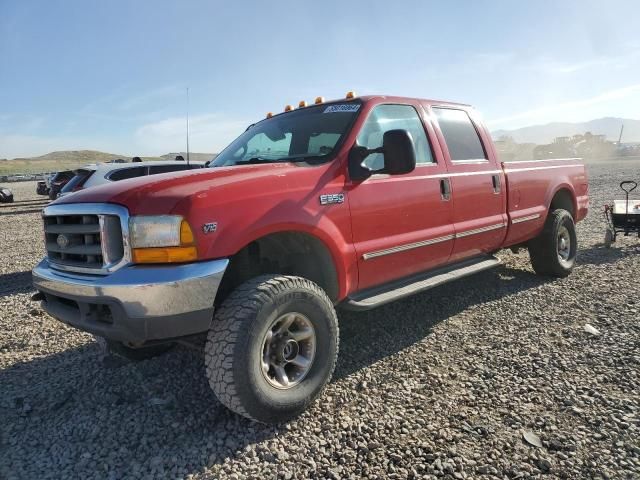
(531, 188)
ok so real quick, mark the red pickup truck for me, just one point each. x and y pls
(350, 203)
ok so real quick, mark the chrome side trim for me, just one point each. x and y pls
(384, 176)
(100, 209)
(569, 159)
(431, 241)
(476, 231)
(529, 169)
(478, 161)
(408, 246)
(525, 219)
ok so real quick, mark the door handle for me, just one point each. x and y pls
(495, 180)
(445, 189)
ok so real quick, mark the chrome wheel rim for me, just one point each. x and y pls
(288, 350)
(564, 245)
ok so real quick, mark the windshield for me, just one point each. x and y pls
(307, 134)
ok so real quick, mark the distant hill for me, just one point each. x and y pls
(86, 156)
(543, 134)
(94, 156)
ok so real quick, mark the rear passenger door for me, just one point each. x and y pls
(477, 183)
(401, 224)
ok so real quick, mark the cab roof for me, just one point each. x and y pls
(373, 98)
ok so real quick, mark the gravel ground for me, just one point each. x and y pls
(442, 385)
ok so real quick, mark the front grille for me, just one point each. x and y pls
(83, 242)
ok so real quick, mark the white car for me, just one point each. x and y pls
(101, 173)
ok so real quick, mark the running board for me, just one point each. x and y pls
(374, 297)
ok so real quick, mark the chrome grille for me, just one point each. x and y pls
(84, 241)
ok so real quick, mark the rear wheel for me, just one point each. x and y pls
(272, 347)
(553, 252)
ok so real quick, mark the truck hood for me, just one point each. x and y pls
(160, 193)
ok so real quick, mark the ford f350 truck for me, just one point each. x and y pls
(350, 203)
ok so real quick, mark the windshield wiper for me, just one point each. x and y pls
(255, 160)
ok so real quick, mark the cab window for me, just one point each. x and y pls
(392, 117)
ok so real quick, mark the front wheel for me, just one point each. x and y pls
(272, 347)
(553, 252)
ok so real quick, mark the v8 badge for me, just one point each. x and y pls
(210, 227)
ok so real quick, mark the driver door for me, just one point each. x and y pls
(401, 224)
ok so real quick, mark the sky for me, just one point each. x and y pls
(113, 76)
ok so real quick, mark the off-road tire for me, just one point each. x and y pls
(544, 249)
(138, 354)
(234, 347)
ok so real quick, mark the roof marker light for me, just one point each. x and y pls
(302, 104)
(269, 115)
(351, 95)
(288, 108)
(319, 100)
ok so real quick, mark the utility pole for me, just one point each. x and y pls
(187, 125)
(620, 137)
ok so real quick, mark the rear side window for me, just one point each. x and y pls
(461, 136)
(125, 173)
(392, 117)
(169, 168)
(78, 181)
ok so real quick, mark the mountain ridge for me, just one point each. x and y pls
(544, 134)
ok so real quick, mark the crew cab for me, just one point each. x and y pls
(350, 203)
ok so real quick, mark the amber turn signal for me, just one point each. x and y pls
(186, 235)
(164, 254)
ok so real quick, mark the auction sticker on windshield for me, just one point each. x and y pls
(344, 107)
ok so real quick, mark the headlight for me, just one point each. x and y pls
(161, 239)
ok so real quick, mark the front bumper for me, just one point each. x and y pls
(135, 304)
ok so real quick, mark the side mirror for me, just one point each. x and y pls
(399, 154)
(398, 151)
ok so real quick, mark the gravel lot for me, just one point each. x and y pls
(444, 384)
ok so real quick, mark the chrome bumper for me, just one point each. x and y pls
(136, 303)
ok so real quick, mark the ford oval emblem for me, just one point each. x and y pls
(62, 241)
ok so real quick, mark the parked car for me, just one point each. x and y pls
(58, 181)
(6, 195)
(98, 174)
(352, 203)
